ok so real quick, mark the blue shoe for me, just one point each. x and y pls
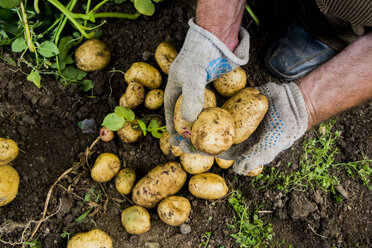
(296, 54)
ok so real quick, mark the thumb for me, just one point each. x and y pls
(192, 101)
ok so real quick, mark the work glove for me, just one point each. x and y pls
(285, 121)
(202, 59)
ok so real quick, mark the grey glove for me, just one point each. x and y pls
(202, 59)
(284, 123)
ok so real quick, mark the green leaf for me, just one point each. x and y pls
(9, 4)
(157, 1)
(86, 84)
(64, 46)
(145, 7)
(19, 45)
(82, 217)
(156, 134)
(73, 73)
(153, 125)
(126, 113)
(113, 122)
(35, 77)
(119, 1)
(142, 126)
(69, 60)
(48, 49)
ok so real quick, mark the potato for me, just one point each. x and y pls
(223, 163)
(136, 220)
(182, 126)
(213, 131)
(95, 238)
(124, 181)
(208, 186)
(162, 181)
(255, 172)
(154, 99)
(231, 82)
(9, 182)
(164, 55)
(166, 146)
(106, 134)
(134, 95)
(247, 107)
(92, 55)
(8, 150)
(194, 163)
(130, 132)
(174, 210)
(144, 74)
(107, 165)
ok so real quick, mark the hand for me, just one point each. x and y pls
(285, 121)
(202, 59)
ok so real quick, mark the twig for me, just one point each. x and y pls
(312, 229)
(342, 191)
(265, 212)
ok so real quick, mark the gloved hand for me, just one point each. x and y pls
(202, 59)
(284, 123)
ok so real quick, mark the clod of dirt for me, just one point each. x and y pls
(299, 206)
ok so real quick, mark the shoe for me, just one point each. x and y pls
(296, 54)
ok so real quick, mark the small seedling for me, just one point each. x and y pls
(83, 216)
(32, 244)
(66, 235)
(205, 239)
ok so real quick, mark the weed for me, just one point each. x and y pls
(32, 244)
(205, 239)
(253, 230)
(66, 235)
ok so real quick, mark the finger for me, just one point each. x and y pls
(172, 91)
(192, 100)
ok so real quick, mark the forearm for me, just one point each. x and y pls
(343, 82)
(222, 18)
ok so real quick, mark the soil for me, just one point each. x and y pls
(44, 123)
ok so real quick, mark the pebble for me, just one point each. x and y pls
(185, 228)
(152, 245)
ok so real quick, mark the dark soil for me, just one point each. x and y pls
(44, 123)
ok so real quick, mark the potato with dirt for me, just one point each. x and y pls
(194, 163)
(166, 146)
(134, 95)
(106, 134)
(174, 210)
(182, 126)
(208, 186)
(165, 54)
(8, 150)
(145, 74)
(247, 108)
(95, 238)
(162, 181)
(223, 163)
(130, 132)
(9, 183)
(231, 82)
(154, 99)
(125, 180)
(105, 168)
(92, 55)
(213, 131)
(136, 220)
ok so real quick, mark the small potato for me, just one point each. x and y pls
(133, 96)
(194, 163)
(9, 182)
(106, 134)
(130, 133)
(136, 220)
(174, 210)
(144, 74)
(208, 186)
(95, 238)
(164, 55)
(154, 99)
(166, 146)
(213, 131)
(107, 165)
(255, 172)
(231, 82)
(124, 181)
(182, 126)
(162, 181)
(223, 163)
(8, 150)
(247, 108)
(92, 55)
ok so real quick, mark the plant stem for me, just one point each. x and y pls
(28, 37)
(251, 13)
(117, 15)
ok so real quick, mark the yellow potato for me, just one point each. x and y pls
(144, 74)
(134, 95)
(154, 99)
(164, 55)
(174, 210)
(125, 180)
(107, 165)
(106, 134)
(162, 181)
(9, 182)
(223, 163)
(136, 220)
(255, 172)
(166, 146)
(247, 107)
(8, 150)
(213, 131)
(95, 238)
(92, 55)
(182, 126)
(208, 186)
(231, 82)
(194, 163)
(130, 132)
